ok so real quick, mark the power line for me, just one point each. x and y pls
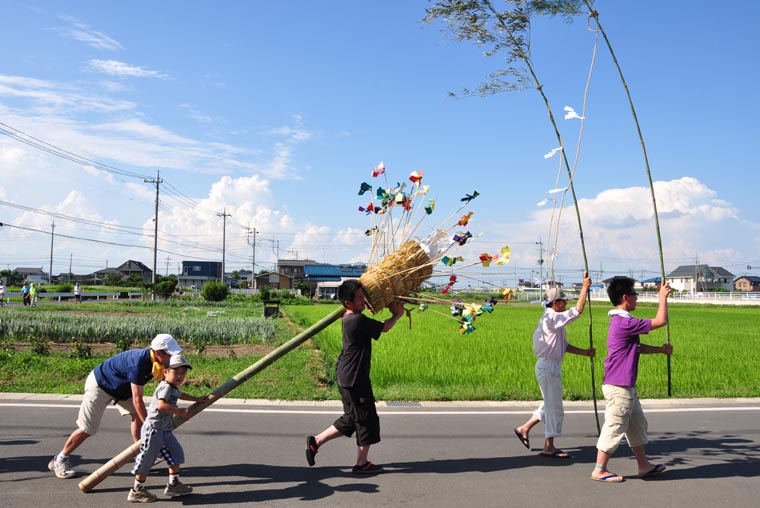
(39, 144)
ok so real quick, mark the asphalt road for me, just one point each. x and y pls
(243, 453)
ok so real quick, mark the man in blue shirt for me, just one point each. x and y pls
(119, 380)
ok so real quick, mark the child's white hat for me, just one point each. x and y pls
(178, 361)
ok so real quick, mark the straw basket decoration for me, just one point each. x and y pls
(398, 274)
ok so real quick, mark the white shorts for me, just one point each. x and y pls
(94, 404)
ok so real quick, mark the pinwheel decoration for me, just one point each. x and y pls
(401, 260)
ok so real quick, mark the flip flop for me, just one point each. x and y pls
(610, 478)
(656, 469)
(524, 440)
(556, 454)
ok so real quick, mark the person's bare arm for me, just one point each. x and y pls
(165, 407)
(581, 352)
(581, 303)
(661, 319)
(646, 349)
(397, 310)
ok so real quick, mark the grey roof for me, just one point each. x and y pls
(131, 264)
(687, 271)
(296, 262)
(108, 271)
(29, 271)
(754, 279)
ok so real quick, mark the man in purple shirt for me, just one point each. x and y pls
(623, 415)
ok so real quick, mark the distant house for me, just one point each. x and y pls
(123, 271)
(324, 279)
(101, 275)
(653, 282)
(747, 283)
(35, 275)
(294, 268)
(131, 267)
(195, 274)
(274, 280)
(699, 278)
(243, 279)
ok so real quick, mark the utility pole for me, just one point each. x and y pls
(167, 265)
(156, 181)
(71, 257)
(540, 244)
(224, 216)
(52, 235)
(252, 232)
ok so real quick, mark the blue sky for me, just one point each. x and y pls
(275, 112)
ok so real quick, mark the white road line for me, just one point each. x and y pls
(421, 412)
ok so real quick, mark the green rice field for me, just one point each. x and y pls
(714, 351)
(712, 354)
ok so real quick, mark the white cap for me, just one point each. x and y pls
(165, 342)
(554, 294)
(177, 361)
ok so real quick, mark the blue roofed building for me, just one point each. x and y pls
(324, 279)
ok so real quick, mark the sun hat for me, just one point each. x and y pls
(165, 342)
(554, 294)
(177, 361)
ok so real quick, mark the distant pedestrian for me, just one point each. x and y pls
(25, 297)
(2, 293)
(77, 293)
(550, 345)
(119, 381)
(33, 294)
(623, 416)
(353, 374)
(157, 434)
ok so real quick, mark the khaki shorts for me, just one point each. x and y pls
(94, 404)
(623, 416)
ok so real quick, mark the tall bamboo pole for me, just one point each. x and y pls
(529, 64)
(595, 15)
(131, 452)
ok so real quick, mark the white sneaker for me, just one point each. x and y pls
(141, 496)
(61, 469)
(177, 489)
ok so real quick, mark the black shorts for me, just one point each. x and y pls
(359, 415)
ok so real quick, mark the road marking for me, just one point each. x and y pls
(421, 412)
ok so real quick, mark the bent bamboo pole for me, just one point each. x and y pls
(128, 454)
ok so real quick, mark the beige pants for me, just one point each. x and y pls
(623, 416)
(94, 404)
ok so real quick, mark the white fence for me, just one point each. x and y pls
(719, 298)
(89, 295)
(600, 296)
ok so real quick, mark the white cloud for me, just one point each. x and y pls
(195, 113)
(50, 97)
(116, 68)
(619, 229)
(294, 133)
(82, 32)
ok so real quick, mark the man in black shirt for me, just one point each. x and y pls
(353, 369)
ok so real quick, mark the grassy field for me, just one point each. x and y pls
(713, 355)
